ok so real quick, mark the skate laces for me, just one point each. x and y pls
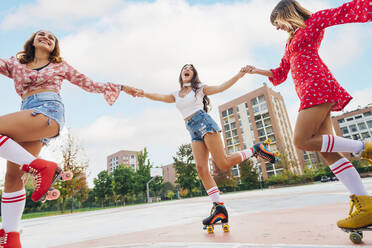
(36, 175)
(354, 203)
(3, 240)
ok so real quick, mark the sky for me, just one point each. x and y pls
(146, 43)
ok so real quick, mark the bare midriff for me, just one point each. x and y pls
(38, 91)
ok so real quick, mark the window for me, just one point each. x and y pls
(366, 135)
(225, 121)
(353, 128)
(231, 150)
(233, 125)
(228, 134)
(224, 113)
(259, 124)
(256, 109)
(246, 105)
(235, 132)
(369, 123)
(358, 117)
(237, 108)
(269, 130)
(254, 101)
(131, 156)
(261, 132)
(367, 114)
(230, 111)
(356, 137)
(227, 127)
(229, 142)
(341, 121)
(362, 126)
(344, 130)
(269, 166)
(263, 107)
(350, 119)
(258, 117)
(261, 98)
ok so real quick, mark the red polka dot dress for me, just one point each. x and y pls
(314, 82)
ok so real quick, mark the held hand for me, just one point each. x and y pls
(129, 90)
(140, 93)
(251, 69)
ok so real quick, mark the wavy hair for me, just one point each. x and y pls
(195, 85)
(28, 53)
(291, 14)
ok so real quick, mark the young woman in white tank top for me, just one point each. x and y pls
(192, 101)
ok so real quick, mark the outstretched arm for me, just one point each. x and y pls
(156, 97)
(351, 12)
(6, 68)
(211, 90)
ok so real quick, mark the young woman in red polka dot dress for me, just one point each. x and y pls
(320, 93)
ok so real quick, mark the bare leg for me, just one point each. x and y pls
(23, 127)
(214, 144)
(309, 122)
(201, 156)
(13, 176)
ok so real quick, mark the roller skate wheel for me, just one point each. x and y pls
(53, 194)
(67, 175)
(355, 237)
(268, 141)
(276, 153)
(210, 229)
(226, 228)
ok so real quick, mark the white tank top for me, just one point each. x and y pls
(190, 103)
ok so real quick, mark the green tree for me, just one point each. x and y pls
(142, 175)
(103, 187)
(187, 176)
(224, 179)
(123, 181)
(248, 175)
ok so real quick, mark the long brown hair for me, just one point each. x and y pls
(291, 14)
(195, 85)
(28, 53)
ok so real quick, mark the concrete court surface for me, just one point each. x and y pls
(301, 216)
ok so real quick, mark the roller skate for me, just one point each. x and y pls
(218, 213)
(45, 174)
(367, 152)
(261, 150)
(359, 219)
(9, 239)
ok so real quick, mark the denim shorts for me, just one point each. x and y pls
(200, 124)
(48, 104)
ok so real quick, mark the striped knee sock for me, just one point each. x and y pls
(214, 194)
(12, 206)
(12, 151)
(333, 143)
(245, 154)
(348, 175)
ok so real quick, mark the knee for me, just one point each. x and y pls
(299, 143)
(202, 170)
(222, 164)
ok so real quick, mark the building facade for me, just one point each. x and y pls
(169, 174)
(127, 158)
(254, 117)
(356, 124)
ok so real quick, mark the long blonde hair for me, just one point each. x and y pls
(291, 14)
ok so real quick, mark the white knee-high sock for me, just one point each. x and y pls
(12, 151)
(12, 206)
(214, 194)
(348, 175)
(333, 143)
(245, 154)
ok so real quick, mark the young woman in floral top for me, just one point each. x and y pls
(38, 72)
(320, 93)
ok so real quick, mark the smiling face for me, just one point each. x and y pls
(282, 26)
(44, 40)
(187, 73)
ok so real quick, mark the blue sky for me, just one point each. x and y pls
(145, 44)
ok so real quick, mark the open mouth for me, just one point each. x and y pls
(187, 74)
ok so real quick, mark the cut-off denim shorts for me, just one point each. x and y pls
(48, 104)
(200, 124)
